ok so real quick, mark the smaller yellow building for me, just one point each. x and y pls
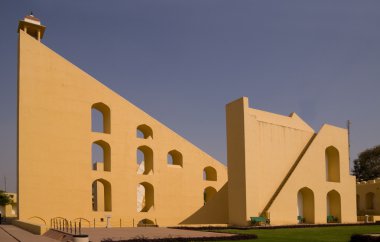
(280, 168)
(367, 197)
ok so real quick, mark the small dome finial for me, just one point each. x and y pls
(32, 26)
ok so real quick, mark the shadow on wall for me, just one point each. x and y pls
(213, 212)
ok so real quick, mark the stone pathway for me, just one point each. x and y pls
(20, 235)
(96, 235)
(10, 233)
(4, 236)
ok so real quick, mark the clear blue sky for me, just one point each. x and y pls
(182, 61)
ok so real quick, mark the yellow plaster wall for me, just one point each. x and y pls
(311, 173)
(54, 149)
(275, 149)
(236, 153)
(269, 145)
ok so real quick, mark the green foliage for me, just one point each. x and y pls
(367, 165)
(4, 199)
(321, 234)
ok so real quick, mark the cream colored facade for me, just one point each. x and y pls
(368, 197)
(280, 168)
(56, 173)
(150, 174)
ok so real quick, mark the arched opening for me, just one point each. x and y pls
(38, 220)
(357, 202)
(84, 222)
(333, 207)
(145, 197)
(370, 201)
(100, 118)
(175, 158)
(144, 132)
(332, 164)
(101, 196)
(101, 156)
(208, 194)
(305, 201)
(144, 158)
(145, 223)
(209, 174)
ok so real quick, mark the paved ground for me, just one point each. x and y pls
(96, 235)
(10, 233)
(20, 235)
(4, 236)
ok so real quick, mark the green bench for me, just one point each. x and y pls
(300, 219)
(332, 219)
(259, 220)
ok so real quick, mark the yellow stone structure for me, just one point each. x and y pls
(57, 177)
(367, 198)
(278, 167)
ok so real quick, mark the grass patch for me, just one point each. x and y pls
(316, 234)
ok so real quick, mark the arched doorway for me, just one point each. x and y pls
(370, 201)
(333, 207)
(305, 201)
(101, 196)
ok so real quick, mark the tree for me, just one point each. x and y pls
(367, 165)
(4, 199)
